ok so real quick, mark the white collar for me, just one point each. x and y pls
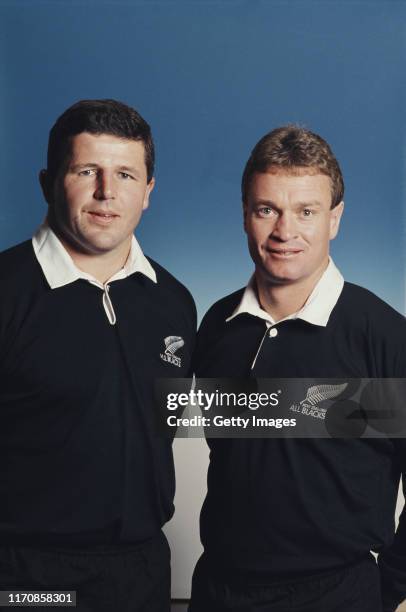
(59, 268)
(318, 306)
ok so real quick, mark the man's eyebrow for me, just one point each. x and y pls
(77, 167)
(81, 166)
(130, 169)
(264, 203)
(314, 203)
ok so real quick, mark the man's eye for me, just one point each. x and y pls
(307, 212)
(87, 172)
(124, 175)
(265, 211)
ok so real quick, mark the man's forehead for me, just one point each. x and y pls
(90, 148)
(293, 171)
(299, 177)
(299, 185)
(103, 139)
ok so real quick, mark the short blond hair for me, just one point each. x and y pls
(294, 150)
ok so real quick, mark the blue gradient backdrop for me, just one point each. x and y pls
(212, 77)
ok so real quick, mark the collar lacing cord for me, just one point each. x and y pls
(260, 346)
(108, 305)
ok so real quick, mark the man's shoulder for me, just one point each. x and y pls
(221, 310)
(168, 285)
(365, 304)
(368, 318)
(373, 328)
(226, 347)
(17, 251)
(16, 261)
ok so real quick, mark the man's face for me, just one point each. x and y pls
(289, 225)
(99, 194)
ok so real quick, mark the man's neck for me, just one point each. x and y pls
(101, 266)
(283, 300)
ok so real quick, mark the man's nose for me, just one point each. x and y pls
(284, 228)
(105, 186)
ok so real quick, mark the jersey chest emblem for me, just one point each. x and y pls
(172, 345)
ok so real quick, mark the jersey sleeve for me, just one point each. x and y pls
(392, 561)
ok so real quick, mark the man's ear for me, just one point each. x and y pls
(46, 185)
(148, 190)
(244, 212)
(335, 218)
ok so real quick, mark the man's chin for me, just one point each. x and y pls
(98, 248)
(90, 246)
(276, 277)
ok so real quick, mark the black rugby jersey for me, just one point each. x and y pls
(280, 508)
(79, 456)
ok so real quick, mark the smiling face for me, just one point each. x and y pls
(289, 225)
(99, 194)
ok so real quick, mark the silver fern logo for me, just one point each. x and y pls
(172, 344)
(316, 395)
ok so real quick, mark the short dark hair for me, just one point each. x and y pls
(98, 117)
(294, 150)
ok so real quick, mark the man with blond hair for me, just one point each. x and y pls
(288, 524)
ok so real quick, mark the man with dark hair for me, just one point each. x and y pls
(288, 524)
(86, 320)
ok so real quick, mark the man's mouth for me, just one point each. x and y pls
(282, 253)
(102, 218)
(102, 214)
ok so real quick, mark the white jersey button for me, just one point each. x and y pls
(273, 332)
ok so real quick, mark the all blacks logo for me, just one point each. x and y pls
(172, 344)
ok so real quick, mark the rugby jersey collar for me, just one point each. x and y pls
(59, 268)
(316, 310)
